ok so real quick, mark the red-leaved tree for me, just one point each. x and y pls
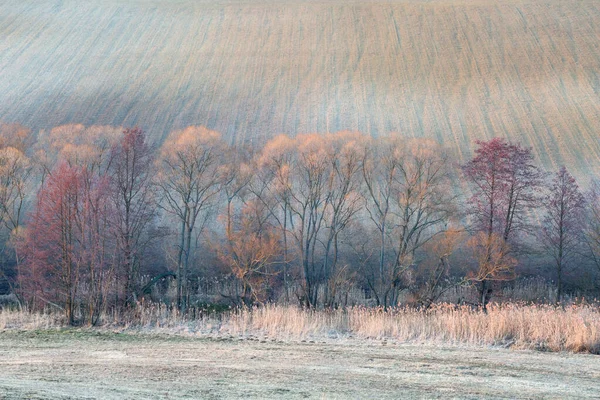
(505, 184)
(65, 245)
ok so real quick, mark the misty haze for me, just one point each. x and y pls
(299, 199)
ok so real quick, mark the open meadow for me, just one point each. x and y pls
(456, 71)
(513, 351)
(91, 365)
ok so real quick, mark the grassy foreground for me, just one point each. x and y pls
(84, 364)
(574, 328)
(75, 363)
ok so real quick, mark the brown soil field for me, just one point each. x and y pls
(453, 70)
(73, 364)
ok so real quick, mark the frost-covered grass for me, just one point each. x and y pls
(105, 365)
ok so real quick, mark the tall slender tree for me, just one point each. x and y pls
(592, 224)
(190, 179)
(562, 229)
(133, 197)
(17, 183)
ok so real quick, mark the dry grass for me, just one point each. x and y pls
(452, 70)
(25, 320)
(574, 328)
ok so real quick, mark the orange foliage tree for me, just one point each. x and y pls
(251, 251)
(493, 261)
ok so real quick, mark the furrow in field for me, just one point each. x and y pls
(455, 71)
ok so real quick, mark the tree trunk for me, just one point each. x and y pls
(186, 267)
(559, 290)
(484, 294)
(180, 264)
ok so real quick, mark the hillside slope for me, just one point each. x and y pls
(453, 70)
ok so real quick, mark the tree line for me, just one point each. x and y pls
(87, 211)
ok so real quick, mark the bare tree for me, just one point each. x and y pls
(190, 179)
(15, 178)
(269, 186)
(237, 173)
(591, 224)
(16, 187)
(300, 180)
(408, 199)
(133, 198)
(77, 145)
(311, 185)
(562, 226)
(343, 203)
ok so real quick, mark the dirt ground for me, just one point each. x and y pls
(92, 365)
